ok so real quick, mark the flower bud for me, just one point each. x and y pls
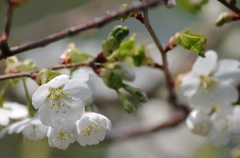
(112, 78)
(114, 39)
(226, 17)
(44, 76)
(138, 93)
(128, 74)
(73, 55)
(189, 40)
(128, 106)
(199, 123)
(138, 54)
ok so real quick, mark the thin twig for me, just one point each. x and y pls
(30, 73)
(177, 118)
(6, 30)
(172, 96)
(230, 6)
(98, 22)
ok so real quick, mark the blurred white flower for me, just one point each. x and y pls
(61, 136)
(60, 99)
(220, 133)
(210, 82)
(31, 128)
(92, 128)
(12, 110)
(199, 123)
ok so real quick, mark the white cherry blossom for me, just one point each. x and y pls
(12, 110)
(92, 128)
(31, 128)
(220, 133)
(60, 99)
(61, 136)
(199, 123)
(210, 82)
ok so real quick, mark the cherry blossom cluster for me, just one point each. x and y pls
(211, 92)
(61, 114)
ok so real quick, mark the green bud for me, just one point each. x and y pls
(112, 78)
(225, 18)
(110, 45)
(45, 75)
(191, 41)
(10, 61)
(138, 93)
(197, 4)
(73, 55)
(119, 32)
(138, 55)
(124, 17)
(128, 106)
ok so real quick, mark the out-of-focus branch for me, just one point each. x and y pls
(176, 119)
(172, 96)
(98, 22)
(31, 73)
(231, 5)
(6, 31)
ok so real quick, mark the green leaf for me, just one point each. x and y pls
(191, 41)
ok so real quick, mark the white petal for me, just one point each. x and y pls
(17, 111)
(17, 127)
(39, 97)
(219, 138)
(128, 74)
(81, 75)
(4, 119)
(199, 122)
(78, 90)
(75, 111)
(190, 84)
(201, 101)
(49, 117)
(204, 66)
(223, 94)
(58, 81)
(228, 69)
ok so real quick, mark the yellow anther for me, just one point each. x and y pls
(51, 107)
(63, 105)
(95, 131)
(56, 111)
(64, 111)
(70, 97)
(84, 135)
(58, 104)
(68, 107)
(53, 104)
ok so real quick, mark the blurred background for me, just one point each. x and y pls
(38, 19)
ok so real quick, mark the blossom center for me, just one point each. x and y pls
(87, 131)
(64, 135)
(57, 99)
(208, 82)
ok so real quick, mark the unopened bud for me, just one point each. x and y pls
(128, 74)
(138, 93)
(226, 17)
(44, 76)
(138, 55)
(114, 39)
(112, 78)
(73, 55)
(128, 106)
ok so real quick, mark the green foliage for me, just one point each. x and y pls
(191, 41)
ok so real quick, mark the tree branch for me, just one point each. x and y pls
(31, 73)
(177, 118)
(6, 31)
(230, 5)
(98, 22)
(172, 95)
